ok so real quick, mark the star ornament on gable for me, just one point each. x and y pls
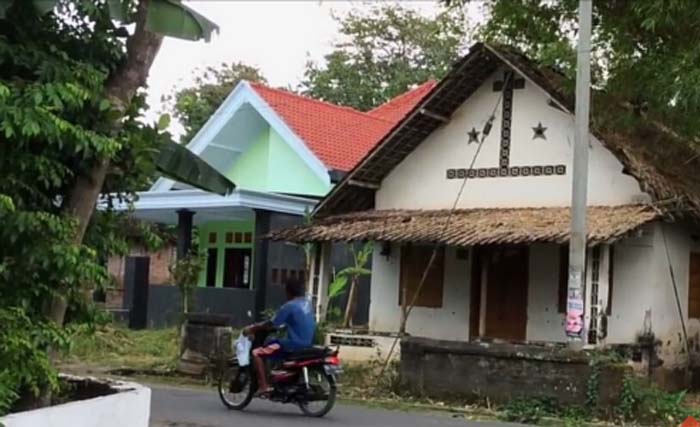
(473, 136)
(539, 131)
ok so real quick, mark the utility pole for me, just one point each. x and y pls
(575, 310)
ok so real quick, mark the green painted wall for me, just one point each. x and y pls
(271, 165)
(250, 170)
(288, 173)
(220, 228)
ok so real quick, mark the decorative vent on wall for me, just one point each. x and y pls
(351, 341)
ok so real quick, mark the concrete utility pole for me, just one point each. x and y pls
(575, 311)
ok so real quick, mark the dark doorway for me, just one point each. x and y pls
(212, 253)
(499, 300)
(237, 268)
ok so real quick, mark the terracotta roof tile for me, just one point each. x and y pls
(339, 136)
(397, 108)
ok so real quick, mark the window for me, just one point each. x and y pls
(229, 237)
(564, 278)
(237, 268)
(611, 271)
(414, 260)
(212, 237)
(248, 237)
(694, 286)
(238, 238)
(275, 275)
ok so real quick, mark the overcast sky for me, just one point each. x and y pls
(276, 36)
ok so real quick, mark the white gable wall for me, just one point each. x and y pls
(420, 182)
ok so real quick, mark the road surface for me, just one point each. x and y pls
(179, 407)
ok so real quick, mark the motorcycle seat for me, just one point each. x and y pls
(308, 353)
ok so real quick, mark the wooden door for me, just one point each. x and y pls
(237, 268)
(506, 293)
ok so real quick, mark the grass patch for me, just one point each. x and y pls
(117, 347)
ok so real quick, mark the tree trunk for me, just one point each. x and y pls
(120, 89)
(350, 305)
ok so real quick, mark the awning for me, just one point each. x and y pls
(162, 206)
(469, 227)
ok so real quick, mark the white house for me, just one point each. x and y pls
(501, 268)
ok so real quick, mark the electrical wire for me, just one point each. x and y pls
(485, 132)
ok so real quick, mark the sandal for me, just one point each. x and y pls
(264, 394)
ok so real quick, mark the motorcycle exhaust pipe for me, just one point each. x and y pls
(305, 370)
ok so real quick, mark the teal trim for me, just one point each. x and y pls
(220, 229)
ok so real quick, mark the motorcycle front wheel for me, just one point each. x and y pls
(236, 387)
(320, 384)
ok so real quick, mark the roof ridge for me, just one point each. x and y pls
(403, 95)
(318, 101)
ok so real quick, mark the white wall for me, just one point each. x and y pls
(420, 182)
(641, 287)
(666, 323)
(130, 408)
(544, 322)
(449, 322)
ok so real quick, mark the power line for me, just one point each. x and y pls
(485, 132)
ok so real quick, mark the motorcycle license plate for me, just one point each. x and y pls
(332, 370)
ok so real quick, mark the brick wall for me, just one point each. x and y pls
(158, 271)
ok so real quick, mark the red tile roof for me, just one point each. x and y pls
(397, 108)
(339, 136)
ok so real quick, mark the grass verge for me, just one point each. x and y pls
(114, 347)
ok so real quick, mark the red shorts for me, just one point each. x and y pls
(268, 350)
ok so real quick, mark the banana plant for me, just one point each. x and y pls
(351, 275)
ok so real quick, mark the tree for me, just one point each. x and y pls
(388, 48)
(194, 105)
(69, 130)
(645, 55)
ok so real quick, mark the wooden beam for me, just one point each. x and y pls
(435, 116)
(363, 184)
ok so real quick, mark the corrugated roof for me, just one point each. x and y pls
(469, 227)
(339, 136)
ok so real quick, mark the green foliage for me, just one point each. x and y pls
(644, 52)
(56, 123)
(194, 105)
(24, 364)
(387, 48)
(360, 258)
(185, 273)
(646, 403)
(528, 410)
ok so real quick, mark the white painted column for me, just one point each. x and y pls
(323, 279)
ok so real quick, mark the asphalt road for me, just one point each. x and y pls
(177, 407)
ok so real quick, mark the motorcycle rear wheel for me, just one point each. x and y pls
(235, 400)
(319, 408)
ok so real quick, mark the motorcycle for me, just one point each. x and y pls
(307, 378)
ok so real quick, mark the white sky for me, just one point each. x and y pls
(276, 36)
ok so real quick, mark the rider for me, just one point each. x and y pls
(298, 318)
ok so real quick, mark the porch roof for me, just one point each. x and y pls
(469, 227)
(162, 206)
